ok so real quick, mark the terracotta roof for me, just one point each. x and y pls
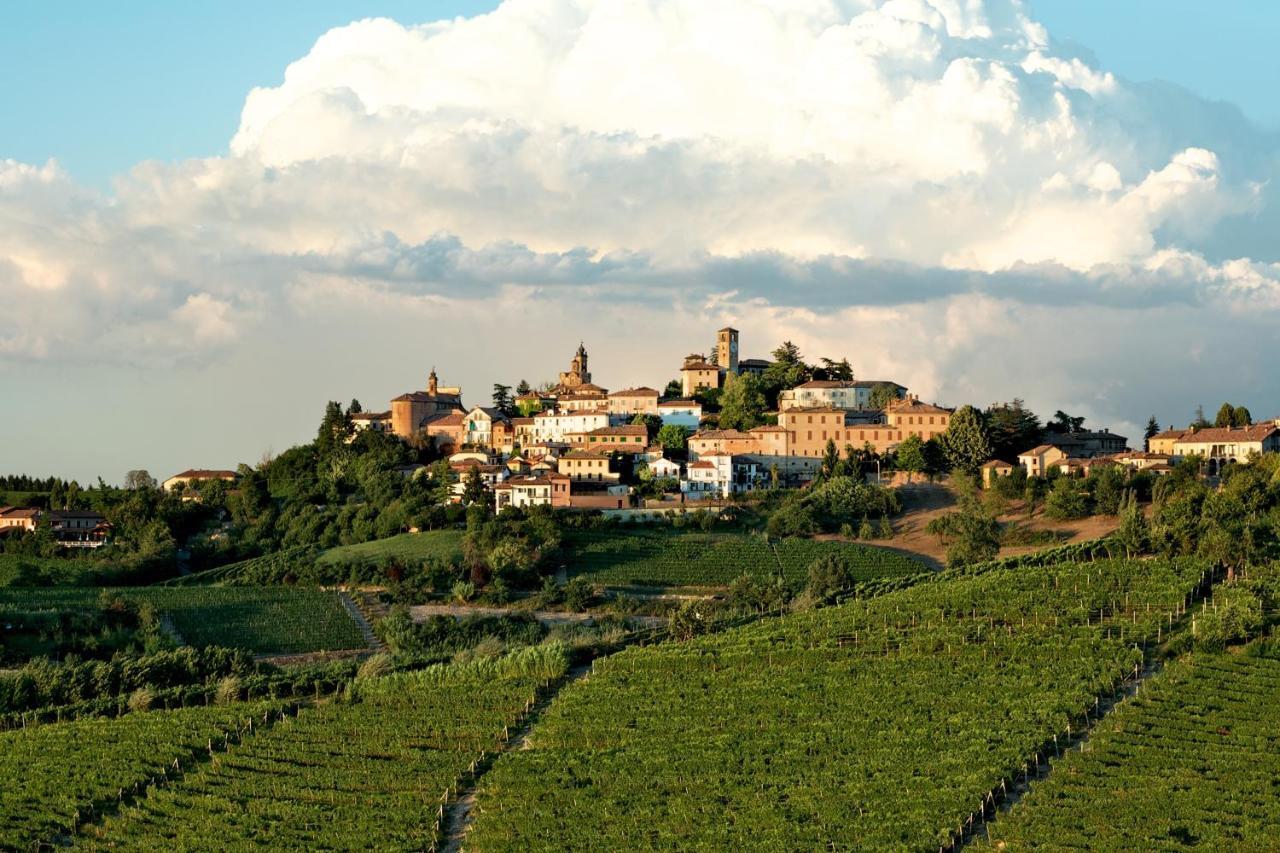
(826, 383)
(684, 404)
(12, 512)
(1170, 433)
(699, 365)
(814, 410)
(768, 428)
(426, 397)
(1259, 432)
(916, 407)
(626, 429)
(492, 411)
(997, 463)
(206, 474)
(371, 416)
(715, 434)
(1038, 450)
(700, 466)
(451, 419)
(636, 392)
(587, 454)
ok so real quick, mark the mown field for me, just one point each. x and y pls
(672, 558)
(409, 547)
(264, 620)
(1192, 761)
(879, 724)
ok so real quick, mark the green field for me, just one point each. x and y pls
(52, 772)
(663, 558)
(263, 620)
(878, 724)
(1192, 760)
(367, 774)
(414, 547)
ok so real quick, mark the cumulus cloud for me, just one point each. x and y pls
(919, 183)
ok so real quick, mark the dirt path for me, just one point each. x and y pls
(460, 814)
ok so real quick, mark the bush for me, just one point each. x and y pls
(792, 519)
(1068, 499)
(578, 594)
(829, 575)
(1233, 616)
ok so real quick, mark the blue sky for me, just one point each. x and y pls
(974, 213)
(101, 86)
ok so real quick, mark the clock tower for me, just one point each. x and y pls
(727, 349)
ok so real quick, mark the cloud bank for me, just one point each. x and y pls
(930, 186)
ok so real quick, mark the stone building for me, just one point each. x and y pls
(410, 412)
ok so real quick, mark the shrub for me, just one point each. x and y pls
(829, 575)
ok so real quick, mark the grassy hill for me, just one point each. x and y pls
(407, 547)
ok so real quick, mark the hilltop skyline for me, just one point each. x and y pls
(952, 197)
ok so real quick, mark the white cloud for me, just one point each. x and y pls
(933, 187)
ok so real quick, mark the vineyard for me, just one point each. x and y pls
(881, 723)
(407, 547)
(57, 775)
(275, 620)
(342, 774)
(1192, 760)
(671, 559)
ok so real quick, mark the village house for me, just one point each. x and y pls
(1038, 460)
(79, 528)
(14, 518)
(589, 465)
(446, 431)
(1138, 460)
(490, 475)
(625, 405)
(719, 475)
(664, 469)
(1087, 443)
(196, 475)
(558, 426)
(1083, 466)
(376, 421)
(1163, 442)
(488, 427)
(698, 374)
(919, 419)
(835, 394)
(630, 438)
(546, 490)
(685, 413)
(995, 469)
(409, 412)
(1221, 446)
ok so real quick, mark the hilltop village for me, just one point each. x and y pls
(729, 425)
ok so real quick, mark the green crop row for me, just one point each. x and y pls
(878, 724)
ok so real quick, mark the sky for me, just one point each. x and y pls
(1069, 201)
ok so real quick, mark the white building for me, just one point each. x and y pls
(685, 413)
(834, 394)
(718, 475)
(557, 426)
(665, 469)
(546, 490)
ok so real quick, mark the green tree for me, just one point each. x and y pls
(354, 408)
(523, 387)
(674, 390)
(1226, 416)
(787, 371)
(652, 425)
(910, 455)
(966, 443)
(742, 403)
(1242, 417)
(829, 575)
(139, 479)
(1064, 423)
(836, 371)
(1013, 428)
(502, 399)
(974, 535)
(1068, 499)
(830, 459)
(1200, 422)
(1134, 532)
(334, 428)
(1152, 430)
(674, 437)
(882, 394)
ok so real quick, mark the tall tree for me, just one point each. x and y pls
(742, 403)
(1241, 417)
(830, 459)
(673, 391)
(651, 423)
(1152, 430)
(354, 408)
(910, 455)
(882, 394)
(1200, 421)
(837, 371)
(473, 491)
(673, 437)
(502, 399)
(523, 387)
(334, 428)
(966, 443)
(787, 371)
(1064, 423)
(139, 479)
(1226, 416)
(1013, 428)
